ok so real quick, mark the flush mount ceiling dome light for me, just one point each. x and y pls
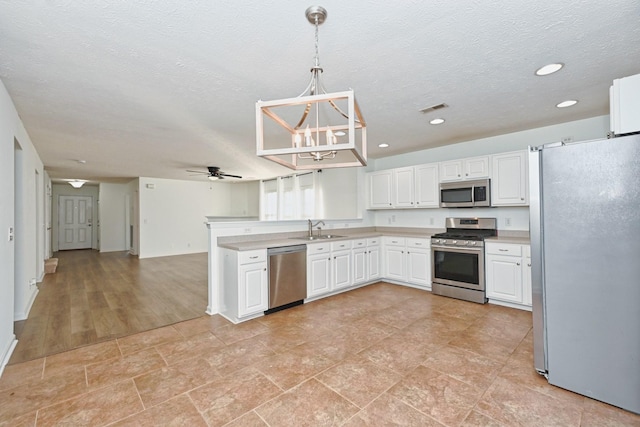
(315, 130)
(438, 121)
(76, 183)
(549, 69)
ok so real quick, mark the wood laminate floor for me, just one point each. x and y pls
(95, 297)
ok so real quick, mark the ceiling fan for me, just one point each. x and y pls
(214, 173)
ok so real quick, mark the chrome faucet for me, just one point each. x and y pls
(311, 225)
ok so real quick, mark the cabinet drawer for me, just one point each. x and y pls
(360, 243)
(318, 248)
(248, 257)
(373, 241)
(418, 243)
(503, 249)
(394, 241)
(341, 245)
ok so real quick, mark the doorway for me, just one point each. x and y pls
(75, 219)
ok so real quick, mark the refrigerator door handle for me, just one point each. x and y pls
(537, 280)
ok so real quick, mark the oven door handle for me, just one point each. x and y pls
(459, 249)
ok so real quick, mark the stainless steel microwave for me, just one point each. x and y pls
(465, 194)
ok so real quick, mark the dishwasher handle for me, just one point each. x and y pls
(286, 249)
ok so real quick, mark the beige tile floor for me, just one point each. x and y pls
(376, 356)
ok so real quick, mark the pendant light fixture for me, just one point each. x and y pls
(316, 129)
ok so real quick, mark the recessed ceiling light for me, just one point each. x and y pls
(567, 103)
(383, 145)
(438, 121)
(339, 133)
(549, 69)
(82, 162)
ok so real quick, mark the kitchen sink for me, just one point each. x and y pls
(321, 237)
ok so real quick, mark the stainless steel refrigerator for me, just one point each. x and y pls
(585, 248)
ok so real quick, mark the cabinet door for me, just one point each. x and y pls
(373, 262)
(403, 190)
(504, 278)
(476, 167)
(451, 171)
(509, 182)
(427, 189)
(395, 263)
(341, 269)
(419, 266)
(318, 274)
(359, 265)
(252, 289)
(380, 184)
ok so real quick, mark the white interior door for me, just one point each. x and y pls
(75, 215)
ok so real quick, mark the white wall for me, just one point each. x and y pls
(67, 190)
(112, 216)
(18, 262)
(244, 199)
(518, 217)
(172, 214)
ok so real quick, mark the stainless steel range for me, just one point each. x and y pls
(457, 258)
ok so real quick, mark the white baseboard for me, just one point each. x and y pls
(7, 352)
(17, 316)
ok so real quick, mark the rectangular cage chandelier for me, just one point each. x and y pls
(315, 130)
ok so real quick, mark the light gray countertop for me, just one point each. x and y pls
(249, 243)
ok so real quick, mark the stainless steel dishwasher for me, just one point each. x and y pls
(287, 277)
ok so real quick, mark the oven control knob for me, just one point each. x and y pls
(454, 242)
(472, 243)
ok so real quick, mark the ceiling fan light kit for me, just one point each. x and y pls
(316, 129)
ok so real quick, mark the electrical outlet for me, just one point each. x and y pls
(431, 221)
(389, 220)
(507, 222)
(393, 218)
(247, 230)
(567, 139)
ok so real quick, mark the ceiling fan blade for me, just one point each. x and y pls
(230, 176)
(199, 172)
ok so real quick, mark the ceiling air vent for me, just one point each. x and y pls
(433, 108)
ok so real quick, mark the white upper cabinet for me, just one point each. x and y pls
(510, 179)
(625, 105)
(463, 169)
(380, 185)
(402, 188)
(427, 190)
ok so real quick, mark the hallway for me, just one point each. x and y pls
(95, 297)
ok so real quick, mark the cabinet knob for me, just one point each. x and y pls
(529, 265)
(265, 269)
(466, 174)
(517, 263)
(522, 198)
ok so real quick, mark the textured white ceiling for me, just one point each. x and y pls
(157, 87)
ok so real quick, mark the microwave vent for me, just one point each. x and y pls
(433, 108)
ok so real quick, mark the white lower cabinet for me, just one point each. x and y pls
(329, 267)
(408, 260)
(508, 279)
(341, 264)
(245, 288)
(373, 259)
(366, 260)
(318, 269)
